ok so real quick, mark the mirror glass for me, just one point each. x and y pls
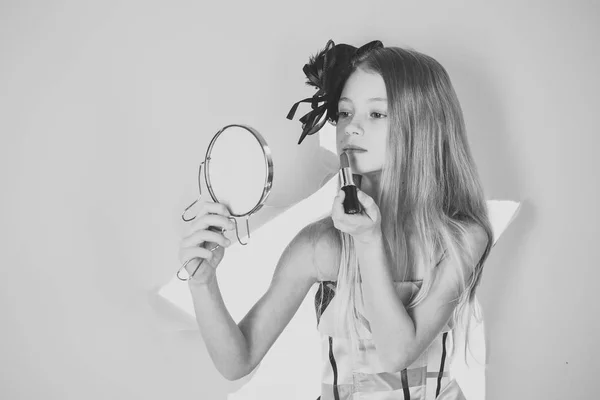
(238, 170)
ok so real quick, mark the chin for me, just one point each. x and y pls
(362, 169)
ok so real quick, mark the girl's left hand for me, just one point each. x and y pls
(364, 227)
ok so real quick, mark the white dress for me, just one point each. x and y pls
(360, 376)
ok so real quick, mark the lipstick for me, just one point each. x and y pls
(351, 203)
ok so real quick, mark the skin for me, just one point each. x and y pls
(362, 121)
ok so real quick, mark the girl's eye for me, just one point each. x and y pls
(378, 115)
(343, 114)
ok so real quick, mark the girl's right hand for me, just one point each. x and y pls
(205, 234)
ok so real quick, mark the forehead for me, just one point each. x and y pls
(362, 85)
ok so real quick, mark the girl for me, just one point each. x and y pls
(397, 278)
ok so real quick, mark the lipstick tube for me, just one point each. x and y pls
(351, 203)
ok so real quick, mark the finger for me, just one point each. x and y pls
(188, 253)
(211, 220)
(369, 205)
(209, 207)
(199, 237)
(338, 204)
(338, 214)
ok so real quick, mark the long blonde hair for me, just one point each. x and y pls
(430, 191)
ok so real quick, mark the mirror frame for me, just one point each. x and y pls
(268, 185)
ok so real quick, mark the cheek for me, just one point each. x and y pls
(385, 137)
(340, 132)
(381, 147)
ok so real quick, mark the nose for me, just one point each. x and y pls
(353, 128)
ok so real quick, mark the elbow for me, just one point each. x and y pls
(398, 360)
(397, 354)
(230, 376)
(233, 375)
(397, 365)
(239, 373)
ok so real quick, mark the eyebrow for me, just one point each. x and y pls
(371, 99)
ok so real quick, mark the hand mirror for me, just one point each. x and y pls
(238, 172)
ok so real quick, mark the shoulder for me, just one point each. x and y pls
(475, 234)
(474, 247)
(320, 241)
(296, 260)
(477, 239)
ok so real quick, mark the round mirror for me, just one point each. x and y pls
(238, 172)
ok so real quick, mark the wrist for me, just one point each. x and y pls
(203, 282)
(372, 239)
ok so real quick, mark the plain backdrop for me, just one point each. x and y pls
(106, 109)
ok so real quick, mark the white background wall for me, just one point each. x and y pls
(106, 110)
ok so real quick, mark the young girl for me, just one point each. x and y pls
(393, 280)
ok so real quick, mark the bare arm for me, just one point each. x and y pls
(401, 335)
(224, 341)
(236, 350)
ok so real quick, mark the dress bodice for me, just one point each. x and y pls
(352, 375)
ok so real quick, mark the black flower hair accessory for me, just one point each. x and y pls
(327, 71)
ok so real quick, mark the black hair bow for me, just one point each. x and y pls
(327, 71)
